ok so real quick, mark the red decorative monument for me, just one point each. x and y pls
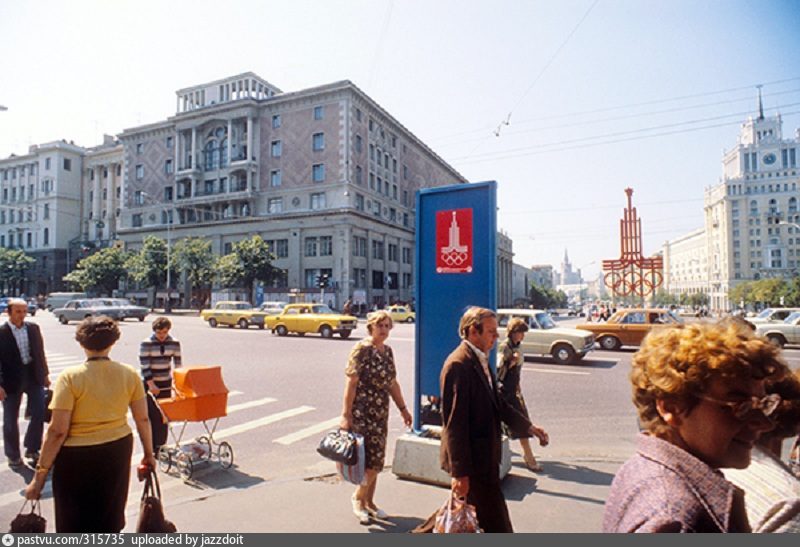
(632, 273)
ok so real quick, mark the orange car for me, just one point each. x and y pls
(628, 327)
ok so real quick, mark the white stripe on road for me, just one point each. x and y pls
(308, 431)
(266, 420)
(251, 404)
(549, 371)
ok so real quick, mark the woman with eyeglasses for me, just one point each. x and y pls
(699, 391)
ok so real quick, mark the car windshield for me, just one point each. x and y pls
(675, 317)
(792, 318)
(764, 314)
(320, 308)
(241, 306)
(545, 321)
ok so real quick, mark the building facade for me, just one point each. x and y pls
(325, 175)
(686, 264)
(543, 275)
(40, 196)
(505, 261)
(751, 215)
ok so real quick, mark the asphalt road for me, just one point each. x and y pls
(285, 392)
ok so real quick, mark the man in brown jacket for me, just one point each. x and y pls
(472, 411)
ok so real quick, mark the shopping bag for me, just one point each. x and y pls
(456, 516)
(151, 511)
(340, 446)
(354, 473)
(29, 523)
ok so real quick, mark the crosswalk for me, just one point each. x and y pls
(244, 415)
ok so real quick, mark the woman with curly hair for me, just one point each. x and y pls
(700, 393)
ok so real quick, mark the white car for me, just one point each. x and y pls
(772, 315)
(544, 337)
(781, 334)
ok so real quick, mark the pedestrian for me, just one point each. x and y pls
(23, 369)
(472, 410)
(699, 391)
(157, 355)
(509, 373)
(371, 380)
(347, 308)
(89, 443)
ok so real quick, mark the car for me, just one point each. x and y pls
(306, 318)
(59, 299)
(782, 334)
(78, 310)
(628, 327)
(272, 308)
(772, 315)
(232, 313)
(399, 314)
(564, 345)
(127, 309)
(4, 305)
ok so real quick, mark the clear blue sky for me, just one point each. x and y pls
(602, 94)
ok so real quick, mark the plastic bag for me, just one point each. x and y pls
(354, 473)
(456, 516)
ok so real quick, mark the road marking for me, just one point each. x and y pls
(266, 420)
(548, 371)
(307, 431)
(251, 404)
(59, 360)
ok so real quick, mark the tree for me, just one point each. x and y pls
(251, 261)
(229, 270)
(100, 272)
(148, 266)
(741, 293)
(768, 292)
(792, 297)
(14, 265)
(193, 255)
(664, 298)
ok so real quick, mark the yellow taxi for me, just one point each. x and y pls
(399, 314)
(304, 318)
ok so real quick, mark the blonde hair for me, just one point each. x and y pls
(376, 318)
(678, 363)
(473, 317)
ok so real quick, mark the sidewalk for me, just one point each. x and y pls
(567, 497)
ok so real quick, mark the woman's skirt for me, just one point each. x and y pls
(90, 486)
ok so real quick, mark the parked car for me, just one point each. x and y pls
(565, 345)
(78, 310)
(628, 327)
(782, 334)
(4, 305)
(771, 315)
(311, 318)
(232, 314)
(127, 309)
(399, 314)
(272, 308)
(59, 299)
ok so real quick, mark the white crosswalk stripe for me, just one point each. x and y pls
(307, 431)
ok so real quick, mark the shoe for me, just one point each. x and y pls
(377, 512)
(15, 462)
(361, 513)
(33, 457)
(533, 465)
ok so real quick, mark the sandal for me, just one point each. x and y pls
(533, 465)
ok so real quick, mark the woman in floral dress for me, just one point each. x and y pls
(371, 380)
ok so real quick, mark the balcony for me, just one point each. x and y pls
(213, 197)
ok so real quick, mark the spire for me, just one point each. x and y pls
(760, 105)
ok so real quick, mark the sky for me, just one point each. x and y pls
(563, 103)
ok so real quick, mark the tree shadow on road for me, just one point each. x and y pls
(212, 476)
(576, 473)
(394, 525)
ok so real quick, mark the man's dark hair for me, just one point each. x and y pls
(162, 323)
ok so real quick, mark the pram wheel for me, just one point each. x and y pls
(225, 455)
(183, 462)
(208, 448)
(164, 459)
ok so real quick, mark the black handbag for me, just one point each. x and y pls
(151, 511)
(340, 446)
(29, 523)
(48, 414)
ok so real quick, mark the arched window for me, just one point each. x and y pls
(208, 155)
(223, 152)
(773, 206)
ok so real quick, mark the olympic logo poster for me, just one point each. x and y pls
(454, 241)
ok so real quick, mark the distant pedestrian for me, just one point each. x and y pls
(371, 381)
(699, 391)
(23, 369)
(89, 443)
(158, 353)
(347, 308)
(509, 372)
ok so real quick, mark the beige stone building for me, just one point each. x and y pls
(325, 174)
(686, 264)
(101, 196)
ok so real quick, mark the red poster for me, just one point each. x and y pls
(454, 241)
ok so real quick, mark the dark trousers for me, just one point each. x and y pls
(157, 424)
(11, 404)
(490, 504)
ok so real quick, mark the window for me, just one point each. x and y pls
(326, 246)
(67, 164)
(391, 279)
(377, 279)
(318, 172)
(377, 250)
(392, 252)
(137, 220)
(275, 149)
(46, 211)
(282, 248)
(139, 172)
(318, 142)
(275, 177)
(358, 114)
(359, 278)
(168, 193)
(168, 167)
(169, 142)
(46, 236)
(275, 205)
(406, 280)
(359, 202)
(359, 144)
(29, 240)
(359, 176)
(138, 197)
(276, 121)
(319, 112)
(310, 246)
(359, 246)
(47, 163)
(406, 255)
(318, 200)
(139, 148)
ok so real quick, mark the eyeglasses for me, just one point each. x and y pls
(743, 410)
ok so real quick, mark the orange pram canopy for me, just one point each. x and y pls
(200, 394)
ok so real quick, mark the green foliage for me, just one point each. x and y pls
(14, 265)
(193, 255)
(664, 298)
(766, 292)
(544, 297)
(99, 272)
(250, 261)
(148, 266)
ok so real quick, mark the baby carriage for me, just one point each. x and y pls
(200, 395)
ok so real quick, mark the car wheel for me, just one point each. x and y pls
(63, 319)
(610, 343)
(243, 323)
(326, 331)
(141, 318)
(212, 323)
(261, 326)
(777, 339)
(410, 320)
(281, 330)
(563, 354)
(345, 333)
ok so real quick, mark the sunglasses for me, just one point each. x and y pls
(744, 410)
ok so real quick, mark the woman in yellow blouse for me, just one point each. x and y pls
(89, 443)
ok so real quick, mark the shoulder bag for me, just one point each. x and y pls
(151, 511)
